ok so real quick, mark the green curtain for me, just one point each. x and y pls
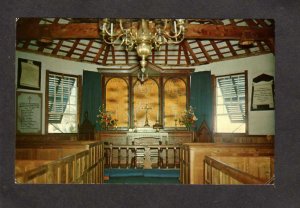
(91, 96)
(201, 97)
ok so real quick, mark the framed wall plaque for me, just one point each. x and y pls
(262, 93)
(29, 113)
(29, 74)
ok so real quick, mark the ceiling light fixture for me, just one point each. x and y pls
(142, 35)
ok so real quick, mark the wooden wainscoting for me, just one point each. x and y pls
(242, 138)
(47, 138)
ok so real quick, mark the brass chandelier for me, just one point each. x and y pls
(143, 35)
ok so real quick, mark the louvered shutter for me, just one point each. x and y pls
(233, 92)
(59, 95)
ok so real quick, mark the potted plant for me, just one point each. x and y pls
(105, 119)
(188, 118)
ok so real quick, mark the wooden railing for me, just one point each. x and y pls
(218, 172)
(86, 166)
(127, 156)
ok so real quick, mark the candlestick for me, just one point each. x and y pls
(111, 29)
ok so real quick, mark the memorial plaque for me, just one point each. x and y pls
(263, 93)
(29, 74)
(29, 113)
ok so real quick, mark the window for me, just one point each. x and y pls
(62, 103)
(231, 104)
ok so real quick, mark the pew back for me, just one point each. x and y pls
(192, 156)
(73, 162)
(237, 170)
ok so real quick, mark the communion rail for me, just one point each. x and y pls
(218, 172)
(127, 156)
(86, 166)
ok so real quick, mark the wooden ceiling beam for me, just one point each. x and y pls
(41, 48)
(232, 22)
(270, 44)
(214, 45)
(113, 55)
(89, 45)
(262, 23)
(227, 32)
(261, 48)
(26, 44)
(166, 54)
(247, 50)
(71, 51)
(153, 55)
(126, 56)
(28, 22)
(91, 30)
(58, 31)
(56, 49)
(207, 56)
(231, 48)
(187, 58)
(56, 20)
(251, 23)
(179, 55)
(99, 53)
(188, 47)
(106, 54)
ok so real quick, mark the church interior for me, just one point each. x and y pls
(181, 101)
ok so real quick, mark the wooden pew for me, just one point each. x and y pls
(74, 162)
(46, 153)
(192, 157)
(238, 170)
(50, 150)
(22, 166)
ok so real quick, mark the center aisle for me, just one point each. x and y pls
(141, 176)
(142, 180)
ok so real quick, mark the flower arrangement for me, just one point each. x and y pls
(188, 118)
(105, 119)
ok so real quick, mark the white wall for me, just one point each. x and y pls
(260, 122)
(55, 65)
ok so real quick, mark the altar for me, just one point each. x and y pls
(147, 136)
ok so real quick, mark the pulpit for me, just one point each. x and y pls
(86, 130)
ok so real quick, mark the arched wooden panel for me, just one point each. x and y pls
(146, 93)
(175, 101)
(117, 100)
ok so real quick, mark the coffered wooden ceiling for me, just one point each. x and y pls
(206, 41)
